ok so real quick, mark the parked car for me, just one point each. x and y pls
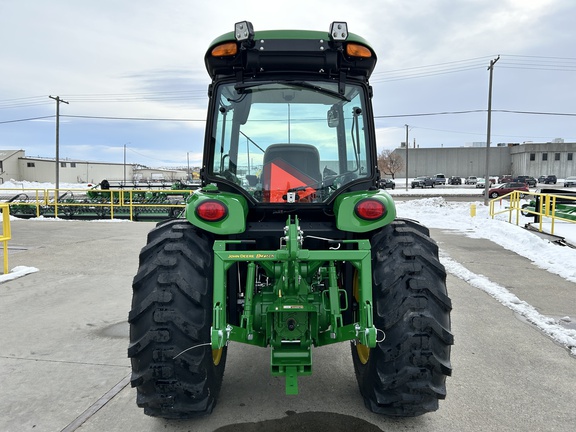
(471, 180)
(570, 182)
(480, 183)
(530, 181)
(422, 182)
(440, 179)
(454, 180)
(541, 179)
(387, 184)
(506, 188)
(550, 179)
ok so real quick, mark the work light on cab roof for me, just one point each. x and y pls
(290, 50)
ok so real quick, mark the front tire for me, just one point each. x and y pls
(171, 313)
(405, 374)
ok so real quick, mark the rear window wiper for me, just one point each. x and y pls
(317, 88)
(297, 84)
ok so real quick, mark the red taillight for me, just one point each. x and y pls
(212, 211)
(370, 209)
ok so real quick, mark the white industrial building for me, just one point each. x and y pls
(14, 165)
(532, 159)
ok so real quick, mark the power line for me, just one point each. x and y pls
(537, 113)
(24, 102)
(185, 95)
(523, 66)
(134, 118)
(146, 156)
(476, 111)
(430, 114)
(138, 97)
(27, 119)
(509, 61)
(469, 133)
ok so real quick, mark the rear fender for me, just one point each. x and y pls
(233, 223)
(348, 220)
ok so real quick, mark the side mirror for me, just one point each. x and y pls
(242, 108)
(333, 117)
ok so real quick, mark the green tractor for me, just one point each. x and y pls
(289, 244)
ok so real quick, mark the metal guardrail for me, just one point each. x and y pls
(6, 233)
(99, 203)
(548, 206)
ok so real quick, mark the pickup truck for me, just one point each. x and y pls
(530, 181)
(439, 179)
(422, 182)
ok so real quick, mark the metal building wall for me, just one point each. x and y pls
(561, 168)
(456, 161)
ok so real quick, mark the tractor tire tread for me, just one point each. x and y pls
(405, 374)
(172, 312)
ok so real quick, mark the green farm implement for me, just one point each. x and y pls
(95, 203)
(552, 202)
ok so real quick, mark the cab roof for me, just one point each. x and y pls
(290, 51)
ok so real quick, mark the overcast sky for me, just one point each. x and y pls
(144, 60)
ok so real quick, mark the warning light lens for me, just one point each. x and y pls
(356, 50)
(212, 211)
(370, 209)
(225, 50)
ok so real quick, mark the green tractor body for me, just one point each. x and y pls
(290, 244)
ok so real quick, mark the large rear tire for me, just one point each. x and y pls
(171, 313)
(405, 374)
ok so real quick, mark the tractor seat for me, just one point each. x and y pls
(304, 157)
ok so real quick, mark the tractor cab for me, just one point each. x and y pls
(290, 118)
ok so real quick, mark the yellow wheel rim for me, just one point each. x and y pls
(362, 350)
(217, 356)
(363, 353)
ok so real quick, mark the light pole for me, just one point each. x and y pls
(489, 124)
(406, 143)
(124, 184)
(58, 100)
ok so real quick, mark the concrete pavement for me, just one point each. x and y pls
(63, 363)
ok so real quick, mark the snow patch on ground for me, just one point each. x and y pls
(17, 272)
(549, 326)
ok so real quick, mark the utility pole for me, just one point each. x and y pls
(58, 100)
(489, 125)
(124, 184)
(406, 144)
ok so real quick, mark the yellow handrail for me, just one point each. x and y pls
(6, 232)
(547, 207)
(104, 203)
